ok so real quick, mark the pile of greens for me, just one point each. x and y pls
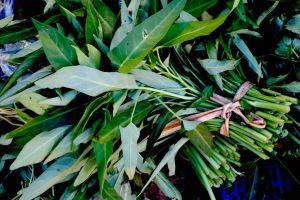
(108, 93)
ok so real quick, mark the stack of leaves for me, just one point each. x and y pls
(106, 96)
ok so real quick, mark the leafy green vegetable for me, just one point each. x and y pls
(38, 148)
(213, 66)
(25, 65)
(185, 31)
(241, 45)
(46, 122)
(201, 138)
(111, 130)
(139, 42)
(291, 87)
(87, 80)
(5, 21)
(56, 46)
(129, 138)
(197, 7)
(102, 153)
(294, 24)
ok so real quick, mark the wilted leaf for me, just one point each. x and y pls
(87, 80)
(38, 148)
(129, 138)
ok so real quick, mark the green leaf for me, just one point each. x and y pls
(190, 125)
(47, 122)
(102, 153)
(171, 153)
(197, 7)
(87, 80)
(294, 24)
(72, 19)
(5, 21)
(4, 140)
(21, 84)
(89, 111)
(184, 31)
(49, 5)
(241, 45)
(22, 68)
(213, 66)
(26, 51)
(111, 130)
(31, 102)
(63, 147)
(166, 186)
(94, 56)
(162, 121)
(38, 148)
(109, 193)
(86, 171)
(118, 98)
(60, 101)
(201, 138)
(84, 137)
(129, 138)
(291, 87)
(13, 99)
(93, 60)
(57, 47)
(107, 18)
(92, 25)
(141, 40)
(273, 80)
(156, 81)
(56, 173)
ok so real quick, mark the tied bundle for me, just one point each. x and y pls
(225, 111)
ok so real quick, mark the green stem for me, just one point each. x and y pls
(165, 93)
(270, 117)
(269, 106)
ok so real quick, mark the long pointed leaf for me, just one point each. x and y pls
(140, 41)
(87, 80)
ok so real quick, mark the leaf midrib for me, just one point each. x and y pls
(143, 41)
